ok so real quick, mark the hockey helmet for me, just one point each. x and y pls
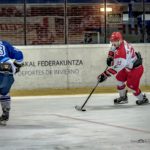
(116, 36)
(116, 39)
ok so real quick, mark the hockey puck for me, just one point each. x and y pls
(79, 108)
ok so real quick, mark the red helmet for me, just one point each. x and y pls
(116, 36)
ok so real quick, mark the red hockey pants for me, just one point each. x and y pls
(132, 78)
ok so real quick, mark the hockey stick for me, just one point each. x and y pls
(81, 108)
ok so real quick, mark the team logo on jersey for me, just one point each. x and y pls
(118, 64)
(2, 50)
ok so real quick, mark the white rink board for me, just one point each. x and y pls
(66, 66)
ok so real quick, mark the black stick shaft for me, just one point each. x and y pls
(89, 95)
(91, 92)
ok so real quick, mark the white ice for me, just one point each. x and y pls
(52, 123)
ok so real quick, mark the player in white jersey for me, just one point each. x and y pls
(126, 65)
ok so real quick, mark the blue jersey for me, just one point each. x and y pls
(8, 53)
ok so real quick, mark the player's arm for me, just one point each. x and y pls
(18, 56)
(15, 54)
(119, 64)
(110, 58)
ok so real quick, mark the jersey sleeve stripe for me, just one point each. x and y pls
(4, 59)
(112, 71)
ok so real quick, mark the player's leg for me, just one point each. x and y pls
(5, 104)
(121, 86)
(142, 99)
(133, 82)
(5, 99)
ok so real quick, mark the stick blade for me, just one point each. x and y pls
(79, 108)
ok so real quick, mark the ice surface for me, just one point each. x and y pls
(52, 123)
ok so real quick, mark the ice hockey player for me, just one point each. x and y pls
(126, 65)
(11, 59)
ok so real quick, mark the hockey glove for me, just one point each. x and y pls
(109, 61)
(102, 77)
(18, 66)
(110, 58)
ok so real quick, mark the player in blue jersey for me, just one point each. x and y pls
(11, 59)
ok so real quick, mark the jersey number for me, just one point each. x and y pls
(2, 50)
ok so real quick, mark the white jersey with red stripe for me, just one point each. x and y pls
(124, 57)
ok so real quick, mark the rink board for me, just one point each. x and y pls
(69, 66)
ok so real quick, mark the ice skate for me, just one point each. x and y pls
(4, 118)
(121, 100)
(144, 101)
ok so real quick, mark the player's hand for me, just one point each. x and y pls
(18, 66)
(102, 77)
(109, 61)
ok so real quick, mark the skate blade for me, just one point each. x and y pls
(123, 102)
(143, 104)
